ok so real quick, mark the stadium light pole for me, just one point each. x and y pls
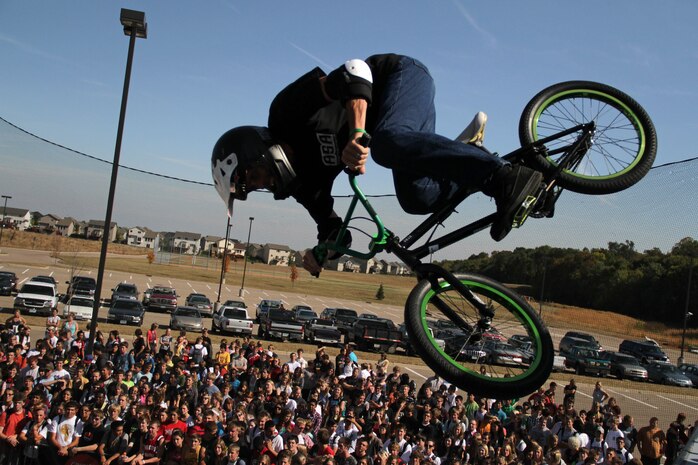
(225, 253)
(135, 27)
(244, 267)
(686, 313)
(4, 215)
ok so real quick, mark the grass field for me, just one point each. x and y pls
(334, 284)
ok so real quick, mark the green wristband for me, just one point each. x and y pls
(355, 130)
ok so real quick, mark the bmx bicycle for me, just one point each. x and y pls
(582, 136)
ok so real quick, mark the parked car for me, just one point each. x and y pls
(36, 298)
(187, 319)
(12, 277)
(146, 296)
(201, 302)
(303, 313)
(585, 336)
(234, 303)
(80, 306)
(645, 351)
(344, 318)
(163, 298)
(666, 373)
(45, 279)
(501, 353)
(624, 366)
(232, 319)
(458, 348)
(279, 323)
(264, 306)
(586, 360)
(125, 312)
(691, 371)
(375, 334)
(321, 330)
(125, 291)
(6, 286)
(518, 339)
(81, 285)
(567, 343)
(408, 346)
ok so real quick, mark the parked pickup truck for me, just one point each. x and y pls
(375, 335)
(232, 319)
(322, 330)
(281, 324)
(587, 361)
(408, 346)
(163, 298)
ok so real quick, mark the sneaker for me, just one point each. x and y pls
(514, 189)
(474, 133)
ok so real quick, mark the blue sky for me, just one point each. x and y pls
(209, 66)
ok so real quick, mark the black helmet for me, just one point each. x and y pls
(242, 148)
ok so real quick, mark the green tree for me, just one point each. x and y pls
(380, 294)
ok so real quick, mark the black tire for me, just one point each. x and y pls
(512, 316)
(624, 142)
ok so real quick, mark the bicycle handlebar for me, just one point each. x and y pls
(321, 251)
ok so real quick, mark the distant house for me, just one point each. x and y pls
(235, 249)
(95, 230)
(19, 218)
(275, 254)
(186, 242)
(47, 223)
(207, 244)
(142, 237)
(67, 226)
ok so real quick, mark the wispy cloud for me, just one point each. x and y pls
(311, 56)
(489, 38)
(30, 49)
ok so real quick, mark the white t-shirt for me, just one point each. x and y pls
(43, 430)
(66, 429)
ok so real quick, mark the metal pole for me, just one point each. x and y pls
(4, 215)
(686, 313)
(110, 199)
(225, 252)
(542, 290)
(244, 268)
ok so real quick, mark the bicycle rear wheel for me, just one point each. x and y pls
(624, 142)
(509, 356)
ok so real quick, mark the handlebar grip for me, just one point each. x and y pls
(319, 253)
(364, 140)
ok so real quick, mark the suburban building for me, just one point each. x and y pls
(186, 242)
(95, 230)
(139, 236)
(47, 223)
(275, 254)
(208, 244)
(67, 226)
(19, 218)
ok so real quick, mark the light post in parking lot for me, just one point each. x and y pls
(686, 313)
(4, 215)
(134, 26)
(244, 267)
(225, 253)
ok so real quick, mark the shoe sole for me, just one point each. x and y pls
(520, 209)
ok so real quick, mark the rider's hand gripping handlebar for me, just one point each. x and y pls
(320, 251)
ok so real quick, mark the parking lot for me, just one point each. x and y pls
(638, 399)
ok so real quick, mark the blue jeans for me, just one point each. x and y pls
(427, 168)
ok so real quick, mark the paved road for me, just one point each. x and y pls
(635, 398)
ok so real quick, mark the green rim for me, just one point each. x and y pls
(618, 104)
(520, 314)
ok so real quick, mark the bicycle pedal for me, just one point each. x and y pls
(524, 211)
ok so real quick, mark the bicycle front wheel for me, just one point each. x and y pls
(624, 143)
(506, 355)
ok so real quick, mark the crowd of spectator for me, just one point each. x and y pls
(166, 399)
